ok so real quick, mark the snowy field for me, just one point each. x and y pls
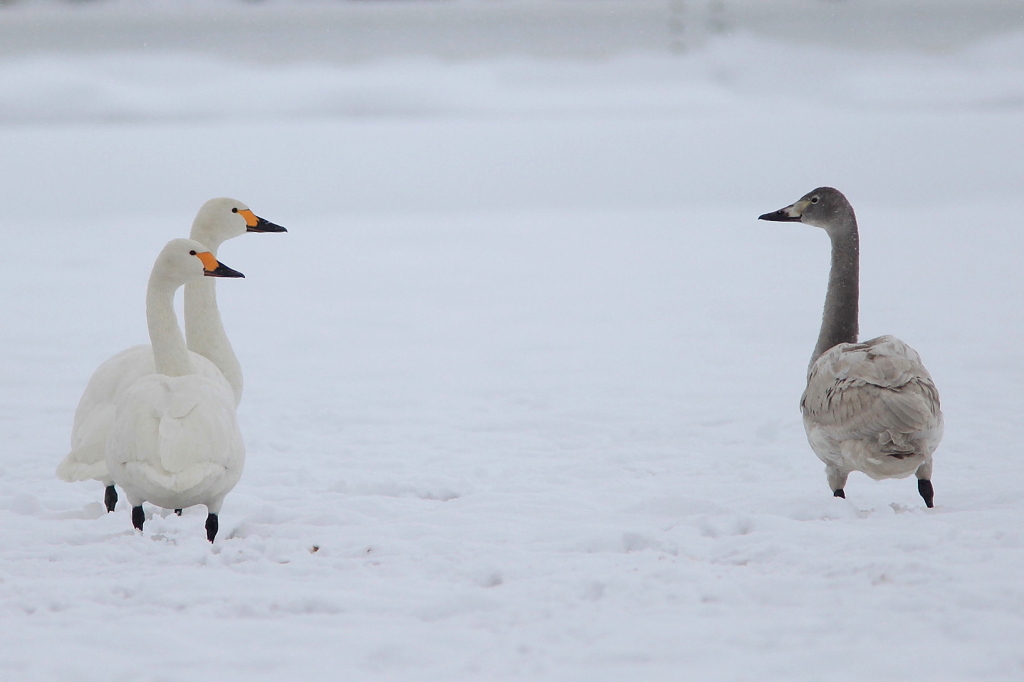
(522, 378)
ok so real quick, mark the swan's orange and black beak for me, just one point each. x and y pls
(214, 268)
(254, 223)
(789, 214)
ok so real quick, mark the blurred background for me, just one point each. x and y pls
(273, 31)
(522, 377)
(198, 62)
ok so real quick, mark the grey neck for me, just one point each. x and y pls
(839, 319)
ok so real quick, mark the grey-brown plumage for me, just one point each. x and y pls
(869, 406)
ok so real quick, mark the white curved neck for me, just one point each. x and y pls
(169, 350)
(206, 334)
(839, 318)
(203, 326)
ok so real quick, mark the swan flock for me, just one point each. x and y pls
(159, 420)
(102, 427)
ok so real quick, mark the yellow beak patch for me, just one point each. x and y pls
(250, 217)
(209, 262)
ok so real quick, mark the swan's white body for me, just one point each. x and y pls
(872, 407)
(869, 406)
(174, 439)
(212, 356)
(174, 442)
(95, 413)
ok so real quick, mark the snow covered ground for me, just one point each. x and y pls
(522, 378)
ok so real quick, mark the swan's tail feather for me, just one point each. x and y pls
(77, 466)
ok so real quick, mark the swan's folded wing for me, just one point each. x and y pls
(876, 389)
(110, 380)
(199, 436)
(175, 431)
(95, 413)
(86, 460)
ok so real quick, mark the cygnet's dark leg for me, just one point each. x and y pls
(178, 512)
(110, 498)
(211, 527)
(839, 493)
(924, 486)
(138, 517)
(924, 483)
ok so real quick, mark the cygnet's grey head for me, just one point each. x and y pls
(222, 219)
(825, 207)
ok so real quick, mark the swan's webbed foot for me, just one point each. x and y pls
(178, 512)
(924, 487)
(211, 527)
(110, 498)
(138, 517)
(839, 493)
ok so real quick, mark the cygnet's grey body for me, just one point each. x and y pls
(869, 406)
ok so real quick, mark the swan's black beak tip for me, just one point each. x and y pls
(223, 271)
(264, 226)
(780, 216)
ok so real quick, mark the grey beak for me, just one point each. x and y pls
(783, 215)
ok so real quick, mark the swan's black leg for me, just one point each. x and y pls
(110, 498)
(839, 493)
(138, 517)
(927, 492)
(211, 527)
(178, 512)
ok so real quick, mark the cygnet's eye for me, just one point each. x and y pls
(191, 253)
(814, 200)
(234, 210)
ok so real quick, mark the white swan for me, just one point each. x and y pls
(174, 440)
(217, 221)
(869, 406)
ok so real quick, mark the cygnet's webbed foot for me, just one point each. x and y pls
(138, 517)
(839, 493)
(178, 512)
(927, 492)
(110, 498)
(211, 527)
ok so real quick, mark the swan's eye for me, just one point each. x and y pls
(191, 253)
(234, 210)
(814, 200)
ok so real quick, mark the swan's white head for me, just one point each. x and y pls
(222, 219)
(185, 260)
(825, 207)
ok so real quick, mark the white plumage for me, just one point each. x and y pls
(174, 439)
(95, 412)
(217, 221)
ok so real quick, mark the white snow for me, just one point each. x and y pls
(522, 377)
